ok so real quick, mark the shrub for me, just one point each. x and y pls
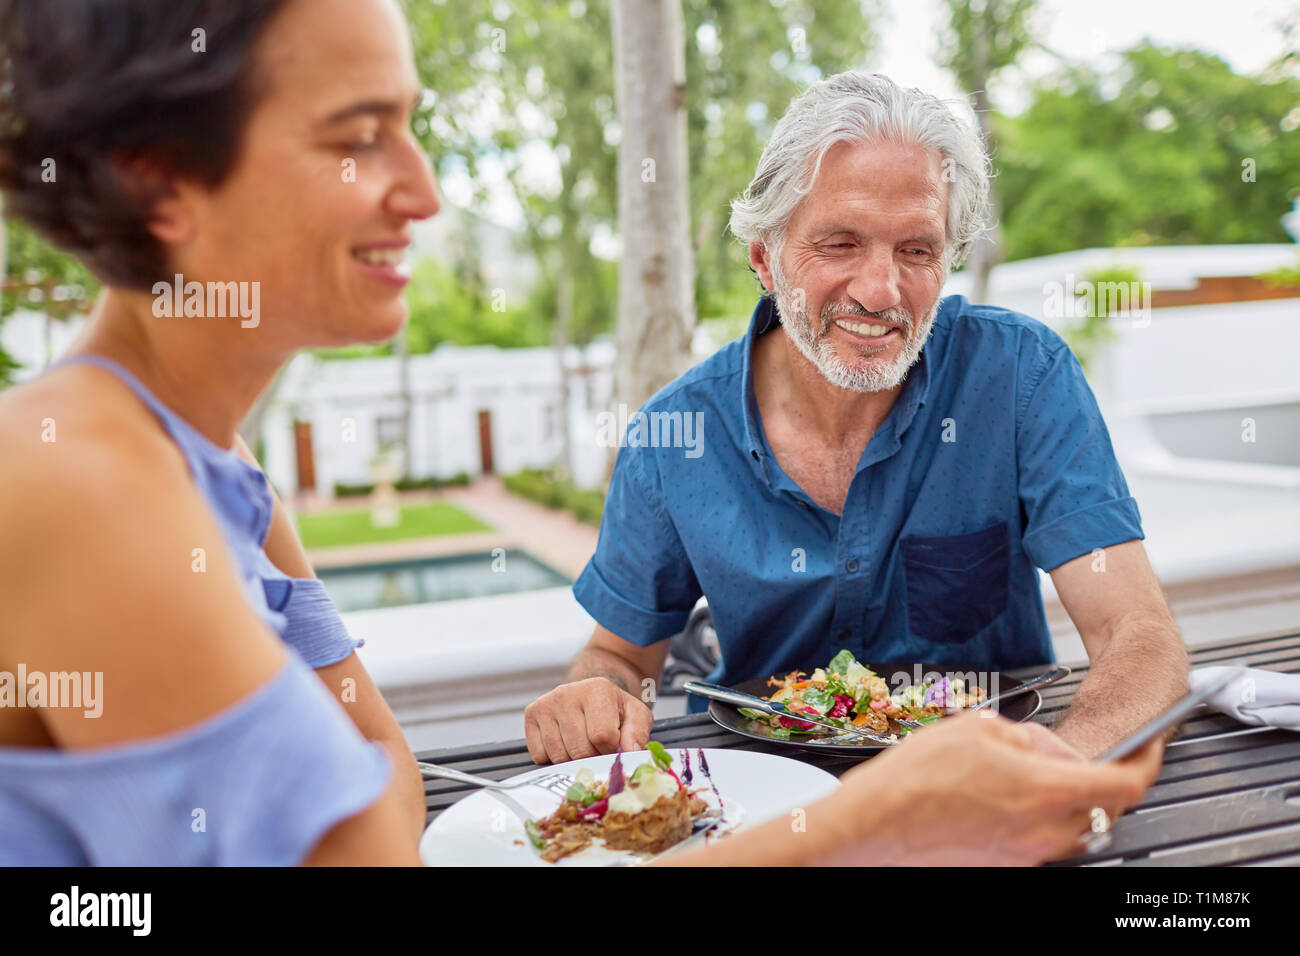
(460, 479)
(543, 488)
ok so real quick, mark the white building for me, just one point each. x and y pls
(473, 410)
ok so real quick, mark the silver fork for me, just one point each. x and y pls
(557, 783)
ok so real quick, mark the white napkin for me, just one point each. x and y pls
(1262, 698)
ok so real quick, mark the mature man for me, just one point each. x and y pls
(882, 470)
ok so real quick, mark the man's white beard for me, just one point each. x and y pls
(876, 376)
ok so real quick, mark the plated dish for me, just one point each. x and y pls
(647, 810)
(849, 693)
(746, 789)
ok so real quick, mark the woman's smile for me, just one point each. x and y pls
(385, 262)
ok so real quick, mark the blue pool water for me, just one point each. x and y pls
(361, 587)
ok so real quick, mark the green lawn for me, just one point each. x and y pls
(353, 526)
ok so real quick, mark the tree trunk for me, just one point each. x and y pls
(656, 302)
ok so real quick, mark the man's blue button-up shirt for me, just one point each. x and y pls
(994, 461)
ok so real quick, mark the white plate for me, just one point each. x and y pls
(480, 831)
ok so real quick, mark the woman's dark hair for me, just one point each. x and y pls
(93, 85)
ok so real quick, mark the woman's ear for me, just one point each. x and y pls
(171, 222)
(150, 183)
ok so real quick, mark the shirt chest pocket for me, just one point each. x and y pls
(956, 585)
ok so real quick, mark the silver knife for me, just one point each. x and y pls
(1042, 680)
(738, 699)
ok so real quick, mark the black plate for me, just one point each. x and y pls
(1018, 709)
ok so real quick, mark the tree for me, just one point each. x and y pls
(529, 83)
(745, 62)
(982, 39)
(656, 309)
(1174, 147)
(40, 277)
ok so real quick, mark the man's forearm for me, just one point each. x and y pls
(597, 662)
(1139, 674)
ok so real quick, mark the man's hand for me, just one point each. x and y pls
(585, 718)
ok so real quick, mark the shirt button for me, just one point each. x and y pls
(851, 565)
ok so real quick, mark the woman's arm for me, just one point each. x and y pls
(969, 791)
(113, 564)
(348, 680)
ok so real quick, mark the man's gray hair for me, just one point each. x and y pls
(861, 107)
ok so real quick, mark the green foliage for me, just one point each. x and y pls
(444, 309)
(8, 366)
(1285, 276)
(67, 288)
(31, 259)
(1154, 155)
(544, 488)
(981, 39)
(593, 299)
(745, 62)
(458, 480)
(543, 72)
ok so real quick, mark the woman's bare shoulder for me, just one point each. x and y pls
(112, 561)
(77, 413)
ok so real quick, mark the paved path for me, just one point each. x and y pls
(554, 537)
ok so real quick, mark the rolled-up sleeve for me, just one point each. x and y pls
(1071, 486)
(639, 584)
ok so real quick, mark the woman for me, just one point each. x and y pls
(260, 150)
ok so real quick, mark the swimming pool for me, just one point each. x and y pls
(393, 584)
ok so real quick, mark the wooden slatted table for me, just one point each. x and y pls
(1228, 793)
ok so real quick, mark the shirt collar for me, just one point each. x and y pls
(916, 389)
(764, 319)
